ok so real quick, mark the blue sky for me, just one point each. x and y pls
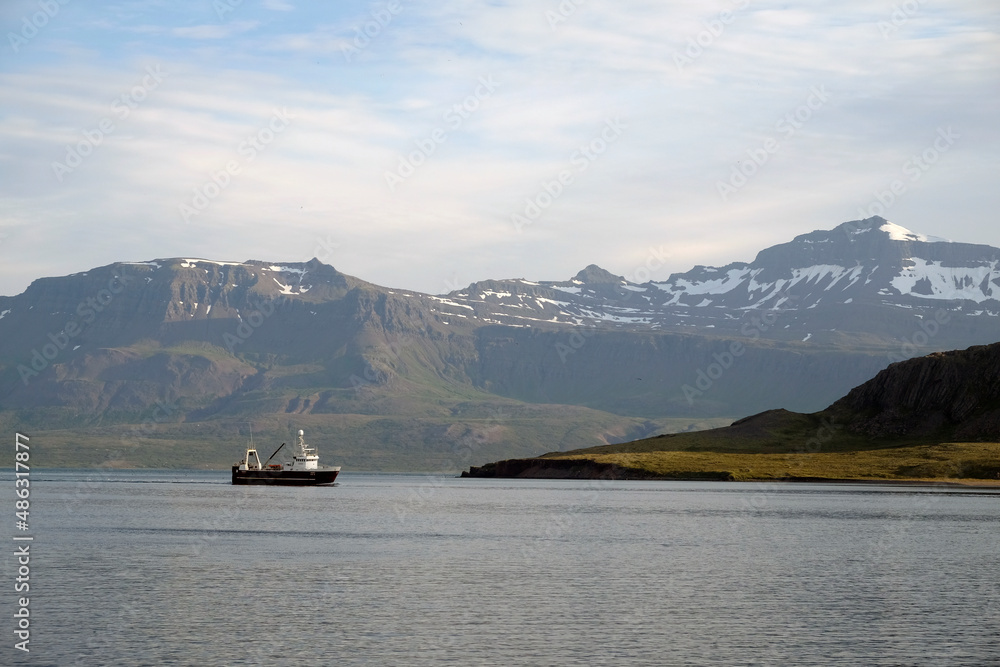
(428, 145)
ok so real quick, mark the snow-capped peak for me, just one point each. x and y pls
(899, 233)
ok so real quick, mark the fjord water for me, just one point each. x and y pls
(182, 568)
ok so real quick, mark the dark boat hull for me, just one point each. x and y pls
(319, 477)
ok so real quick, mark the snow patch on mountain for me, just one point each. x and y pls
(188, 263)
(899, 233)
(449, 302)
(817, 273)
(733, 279)
(285, 289)
(286, 269)
(930, 280)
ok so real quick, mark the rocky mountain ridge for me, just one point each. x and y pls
(870, 266)
(221, 340)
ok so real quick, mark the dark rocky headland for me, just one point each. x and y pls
(933, 417)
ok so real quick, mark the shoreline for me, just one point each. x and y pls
(584, 469)
(622, 474)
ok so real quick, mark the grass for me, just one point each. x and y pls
(965, 461)
(783, 445)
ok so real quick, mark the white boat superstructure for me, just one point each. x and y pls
(305, 458)
(303, 469)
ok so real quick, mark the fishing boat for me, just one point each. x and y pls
(303, 470)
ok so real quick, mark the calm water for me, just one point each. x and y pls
(182, 568)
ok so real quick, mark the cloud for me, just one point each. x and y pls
(558, 82)
(223, 31)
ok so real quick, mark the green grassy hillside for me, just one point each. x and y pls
(962, 462)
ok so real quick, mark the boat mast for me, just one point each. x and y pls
(302, 443)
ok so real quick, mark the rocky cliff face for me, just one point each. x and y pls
(951, 394)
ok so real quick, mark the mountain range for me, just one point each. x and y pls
(827, 281)
(169, 362)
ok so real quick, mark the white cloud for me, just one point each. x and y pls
(210, 31)
(324, 176)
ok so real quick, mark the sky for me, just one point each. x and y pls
(428, 145)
